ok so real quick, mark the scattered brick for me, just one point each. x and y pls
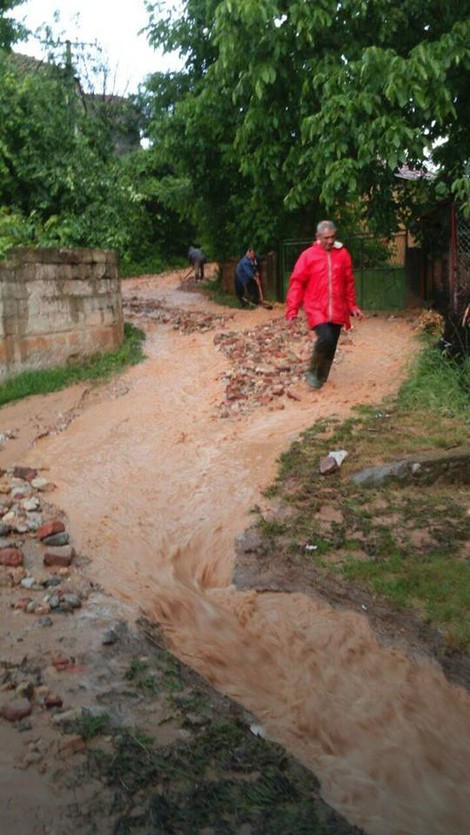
(12, 557)
(49, 528)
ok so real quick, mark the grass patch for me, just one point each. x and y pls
(98, 369)
(211, 773)
(165, 677)
(438, 384)
(89, 726)
(435, 585)
(223, 778)
(405, 544)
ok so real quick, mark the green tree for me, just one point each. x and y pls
(305, 108)
(10, 30)
(195, 127)
(55, 165)
(67, 174)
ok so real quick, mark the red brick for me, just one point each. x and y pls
(49, 528)
(11, 557)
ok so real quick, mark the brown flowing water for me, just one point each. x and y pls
(156, 487)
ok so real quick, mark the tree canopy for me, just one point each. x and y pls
(10, 30)
(286, 109)
(72, 172)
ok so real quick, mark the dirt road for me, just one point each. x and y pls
(157, 485)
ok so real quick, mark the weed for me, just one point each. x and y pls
(223, 778)
(438, 384)
(137, 667)
(89, 725)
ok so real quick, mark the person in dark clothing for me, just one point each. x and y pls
(322, 282)
(197, 257)
(246, 279)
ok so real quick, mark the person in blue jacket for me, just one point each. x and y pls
(247, 279)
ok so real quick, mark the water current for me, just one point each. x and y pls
(156, 487)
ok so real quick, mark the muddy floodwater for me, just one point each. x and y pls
(157, 485)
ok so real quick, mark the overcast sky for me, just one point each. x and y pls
(112, 23)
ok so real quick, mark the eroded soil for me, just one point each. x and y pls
(157, 473)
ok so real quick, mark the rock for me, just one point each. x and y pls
(328, 465)
(42, 485)
(56, 539)
(21, 491)
(30, 582)
(11, 557)
(11, 518)
(68, 716)
(45, 620)
(37, 608)
(292, 395)
(73, 600)
(116, 632)
(22, 603)
(50, 582)
(49, 528)
(54, 600)
(61, 556)
(26, 473)
(34, 521)
(53, 701)
(16, 709)
(448, 467)
(30, 504)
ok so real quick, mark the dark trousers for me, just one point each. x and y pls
(198, 270)
(248, 292)
(325, 349)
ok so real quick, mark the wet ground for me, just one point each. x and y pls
(157, 484)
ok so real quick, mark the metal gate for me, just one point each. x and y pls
(379, 267)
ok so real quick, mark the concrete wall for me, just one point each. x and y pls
(57, 307)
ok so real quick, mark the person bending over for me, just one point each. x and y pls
(246, 279)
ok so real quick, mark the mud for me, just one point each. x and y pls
(157, 486)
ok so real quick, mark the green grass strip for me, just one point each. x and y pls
(100, 367)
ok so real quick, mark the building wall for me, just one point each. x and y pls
(58, 307)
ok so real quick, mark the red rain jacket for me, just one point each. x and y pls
(323, 283)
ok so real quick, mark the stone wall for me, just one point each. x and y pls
(58, 307)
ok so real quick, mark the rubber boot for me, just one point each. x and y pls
(313, 380)
(313, 375)
(323, 370)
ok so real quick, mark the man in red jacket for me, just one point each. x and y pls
(323, 283)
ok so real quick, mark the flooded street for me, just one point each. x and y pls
(157, 486)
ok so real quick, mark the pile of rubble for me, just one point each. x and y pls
(269, 361)
(186, 321)
(35, 548)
